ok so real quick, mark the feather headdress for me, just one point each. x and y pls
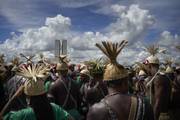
(96, 67)
(168, 63)
(113, 71)
(33, 71)
(16, 61)
(2, 58)
(140, 66)
(153, 50)
(35, 74)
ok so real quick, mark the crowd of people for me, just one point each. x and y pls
(94, 90)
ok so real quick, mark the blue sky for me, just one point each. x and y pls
(18, 16)
(82, 16)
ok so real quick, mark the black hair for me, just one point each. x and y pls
(42, 107)
(155, 65)
(117, 82)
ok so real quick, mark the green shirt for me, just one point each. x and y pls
(78, 81)
(28, 114)
(47, 85)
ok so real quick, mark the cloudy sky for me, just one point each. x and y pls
(31, 26)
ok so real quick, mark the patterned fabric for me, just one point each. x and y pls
(140, 88)
(13, 84)
(10, 88)
(139, 111)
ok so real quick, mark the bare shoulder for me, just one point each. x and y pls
(161, 79)
(97, 111)
(56, 84)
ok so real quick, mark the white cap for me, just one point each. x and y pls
(153, 59)
(141, 72)
(169, 70)
(83, 66)
(85, 72)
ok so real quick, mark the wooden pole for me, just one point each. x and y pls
(18, 93)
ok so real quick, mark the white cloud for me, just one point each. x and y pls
(21, 13)
(40, 39)
(131, 24)
(167, 39)
(111, 10)
(169, 42)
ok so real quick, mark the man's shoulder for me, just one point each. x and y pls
(97, 111)
(98, 106)
(56, 84)
(161, 78)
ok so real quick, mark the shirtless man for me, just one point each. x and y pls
(118, 104)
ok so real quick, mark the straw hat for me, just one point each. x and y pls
(113, 71)
(33, 88)
(152, 59)
(85, 72)
(141, 72)
(168, 63)
(169, 70)
(35, 74)
(62, 65)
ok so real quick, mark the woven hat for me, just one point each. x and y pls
(168, 62)
(153, 50)
(62, 65)
(169, 69)
(85, 72)
(113, 70)
(35, 74)
(141, 72)
(152, 59)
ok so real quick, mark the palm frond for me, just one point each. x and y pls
(152, 49)
(164, 51)
(95, 66)
(33, 71)
(111, 50)
(168, 61)
(2, 58)
(16, 61)
(140, 66)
